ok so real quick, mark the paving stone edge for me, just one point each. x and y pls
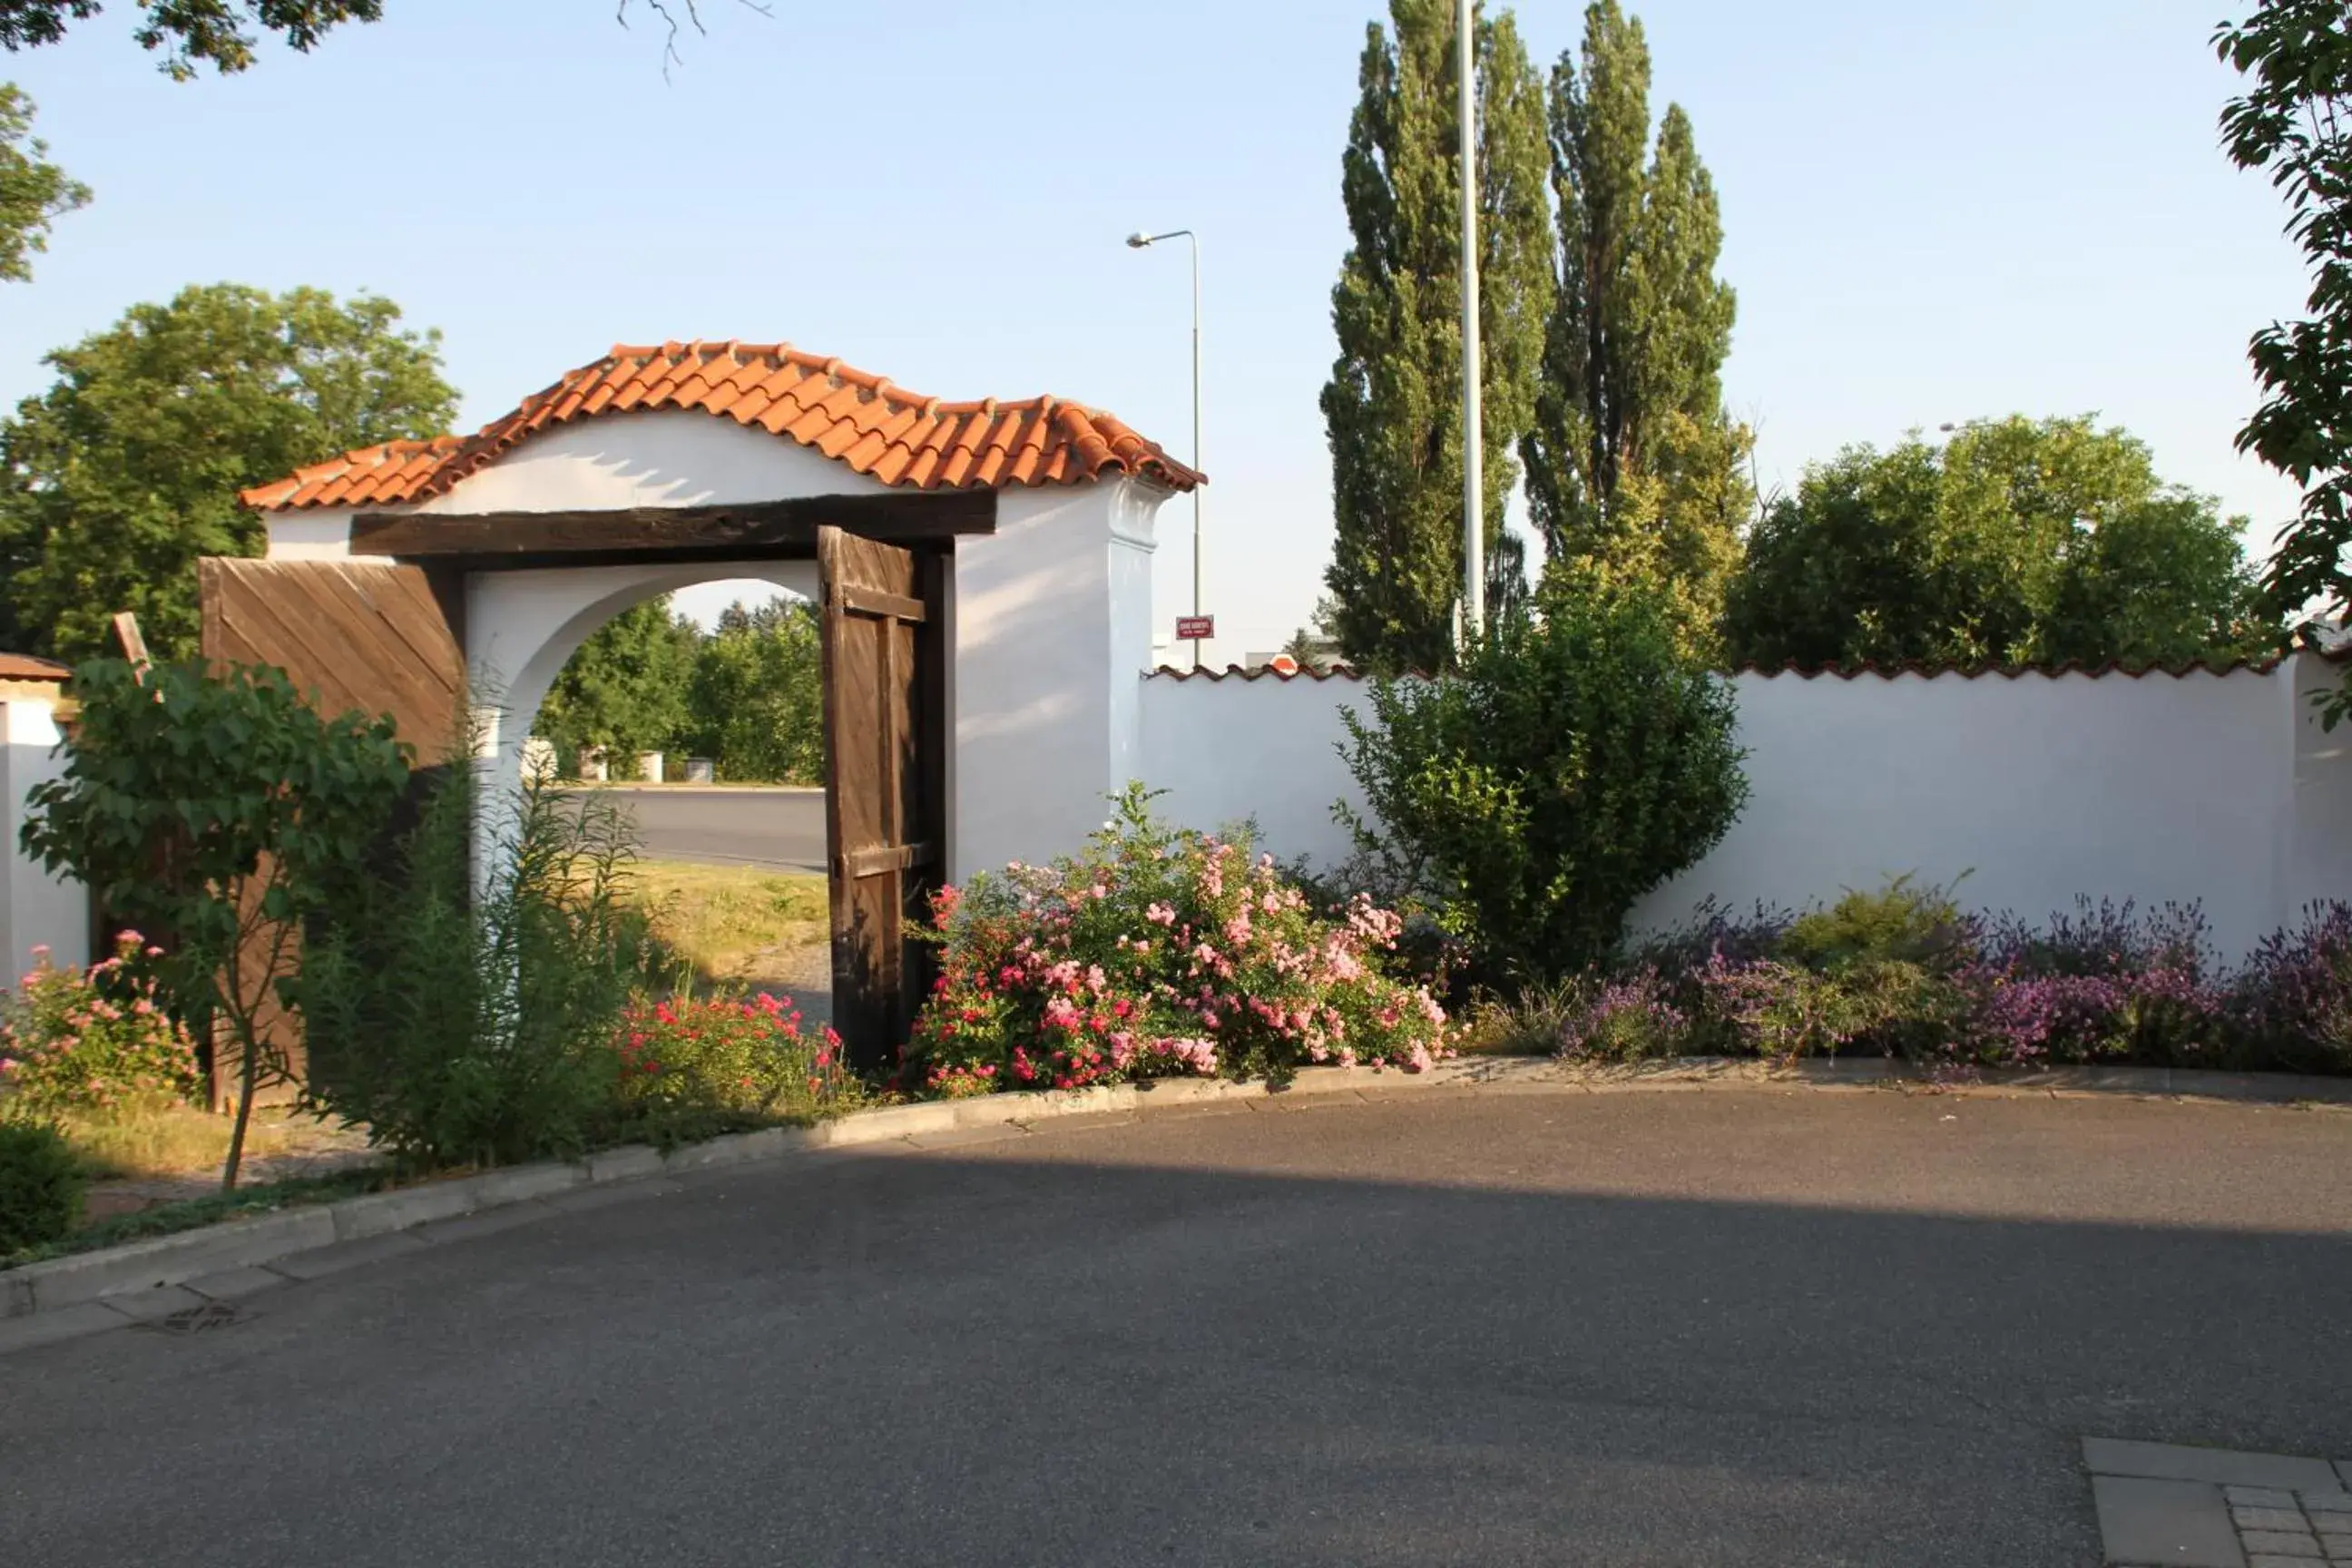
(83, 1278)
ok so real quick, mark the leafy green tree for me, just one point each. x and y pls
(1580, 757)
(115, 480)
(2019, 541)
(1631, 465)
(627, 688)
(758, 696)
(1392, 406)
(33, 191)
(219, 814)
(2296, 122)
(222, 33)
(219, 33)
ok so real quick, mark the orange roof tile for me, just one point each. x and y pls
(884, 431)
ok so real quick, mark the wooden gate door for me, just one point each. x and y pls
(886, 803)
(378, 639)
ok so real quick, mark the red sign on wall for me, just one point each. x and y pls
(1192, 628)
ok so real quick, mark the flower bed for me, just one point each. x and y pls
(1905, 972)
(1154, 953)
(92, 1040)
(687, 1058)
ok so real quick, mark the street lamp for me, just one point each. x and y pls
(1137, 241)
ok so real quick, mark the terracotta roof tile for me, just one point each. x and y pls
(885, 432)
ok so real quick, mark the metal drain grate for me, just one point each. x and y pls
(197, 1319)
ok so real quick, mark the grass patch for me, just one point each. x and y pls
(190, 1214)
(729, 923)
(1528, 1026)
(172, 1141)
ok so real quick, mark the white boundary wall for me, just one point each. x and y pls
(2219, 788)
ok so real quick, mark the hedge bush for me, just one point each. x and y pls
(1579, 758)
(41, 1183)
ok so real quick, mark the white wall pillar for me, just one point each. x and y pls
(1052, 633)
(35, 907)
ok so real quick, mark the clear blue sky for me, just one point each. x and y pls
(1932, 213)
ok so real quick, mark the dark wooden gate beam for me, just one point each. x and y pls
(681, 533)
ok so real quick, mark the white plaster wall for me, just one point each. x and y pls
(2042, 790)
(2318, 858)
(1050, 619)
(670, 457)
(35, 907)
(1266, 749)
(2215, 788)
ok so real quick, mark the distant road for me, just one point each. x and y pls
(782, 829)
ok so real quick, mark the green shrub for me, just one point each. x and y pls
(41, 1183)
(464, 1025)
(92, 1040)
(1578, 760)
(1901, 923)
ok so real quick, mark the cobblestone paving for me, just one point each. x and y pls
(2215, 1508)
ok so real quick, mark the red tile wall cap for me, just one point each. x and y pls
(1843, 672)
(27, 666)
(882, 431)
(2263, 666)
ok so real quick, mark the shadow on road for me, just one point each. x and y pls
(1669, 1329)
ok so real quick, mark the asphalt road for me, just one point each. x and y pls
(1721, 1328)
(780, 829)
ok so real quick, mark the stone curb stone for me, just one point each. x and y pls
(621, 1164)
(355, 1219)
(1165, 1093)
(892, 1122)
(741, 1148)
(519, 1183)
(170, 1259)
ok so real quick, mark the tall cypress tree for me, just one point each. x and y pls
(1393, 406)
(1632, 468)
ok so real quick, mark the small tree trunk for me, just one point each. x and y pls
(248, 1070)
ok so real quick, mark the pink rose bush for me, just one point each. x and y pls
(722, 1054)
(1157, 953)
(92, 1040)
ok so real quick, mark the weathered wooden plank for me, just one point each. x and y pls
(873, 862)
(874, 602)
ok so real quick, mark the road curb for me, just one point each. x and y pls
(237, 1250)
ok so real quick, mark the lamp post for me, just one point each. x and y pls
(1474, 440)
(1138, 241)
